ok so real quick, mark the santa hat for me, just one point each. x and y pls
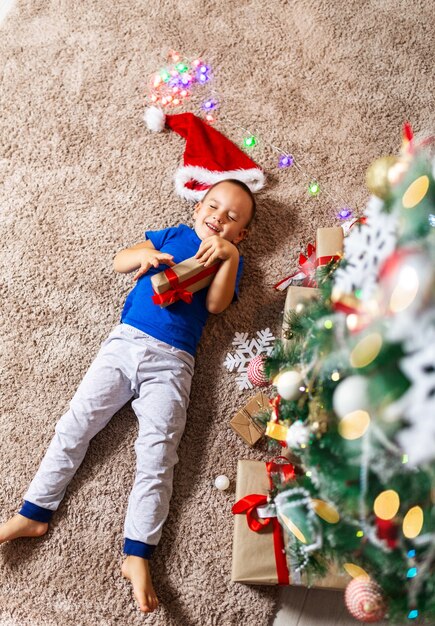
(209, 156)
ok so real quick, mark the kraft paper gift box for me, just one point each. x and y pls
(295, 296)
(329, 244)
(254, 560)
(180, 281)
(242, 422)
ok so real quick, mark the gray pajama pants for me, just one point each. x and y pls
(158, 375)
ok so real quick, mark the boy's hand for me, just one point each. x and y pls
(150, 257)
(214, 248)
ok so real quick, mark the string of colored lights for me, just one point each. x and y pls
(287, 159)
(171, 86)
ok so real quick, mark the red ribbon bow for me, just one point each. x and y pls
(249, 504)
(178, 289)
(306, 270)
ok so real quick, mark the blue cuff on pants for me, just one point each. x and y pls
(35, 512)
(138, 548)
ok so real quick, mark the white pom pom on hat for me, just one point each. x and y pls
(209, 156)
(154, 119)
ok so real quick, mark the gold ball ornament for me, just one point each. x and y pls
(377, 178)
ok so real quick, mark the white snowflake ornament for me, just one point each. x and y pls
(417, 406)
(365, 249)
(245, 350)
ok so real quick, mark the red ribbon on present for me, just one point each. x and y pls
(306, 270)
(324, 260)
(249, 504)
(177, 290)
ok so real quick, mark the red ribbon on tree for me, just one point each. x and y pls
(388, 531)
(249, 504)
(177, 290)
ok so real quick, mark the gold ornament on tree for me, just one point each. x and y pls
(377, 177)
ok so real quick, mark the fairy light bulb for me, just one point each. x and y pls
(208, 105)
(175, 101)
(286, 160)
(154, 97)
(165, 76)
(345, 213)
(314, 188)
(196, 63)
(181, 67)
(250, 141)
(183, 93)
(209, 118)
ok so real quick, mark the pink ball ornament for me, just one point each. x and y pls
(256, 371)
(364, 600)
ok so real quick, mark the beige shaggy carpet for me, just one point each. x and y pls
(81, 178)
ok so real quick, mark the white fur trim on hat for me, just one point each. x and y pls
(154, 119)
(254, 178)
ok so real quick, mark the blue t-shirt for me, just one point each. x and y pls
(180, 324)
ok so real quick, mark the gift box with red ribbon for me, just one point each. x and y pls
(180, 281)
(329, 245)
(259, 541)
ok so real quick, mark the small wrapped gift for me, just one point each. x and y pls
(259, 540)
(329, 245)
(180, 281)
(244, 425)
(295, 296)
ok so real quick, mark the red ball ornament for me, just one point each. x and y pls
(364, 600)
(256, 371)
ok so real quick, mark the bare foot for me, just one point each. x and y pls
(20, 526)
(137, 570)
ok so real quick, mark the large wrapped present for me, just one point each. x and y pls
(259, 541)
(329, 245)
(244, 424)
(180, 281)
(296, 296)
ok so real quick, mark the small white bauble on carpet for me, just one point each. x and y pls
(288, 384)
(351, 395)
(222, 482)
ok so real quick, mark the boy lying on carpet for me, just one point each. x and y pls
(150, 355)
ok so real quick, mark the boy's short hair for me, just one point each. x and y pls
(243, 186)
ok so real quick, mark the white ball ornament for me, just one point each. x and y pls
(351, 395)
(222, 482)
(288, 385)
(297, 435)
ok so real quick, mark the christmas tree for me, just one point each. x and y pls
(356, 402)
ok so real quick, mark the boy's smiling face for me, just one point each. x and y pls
(225, 211)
